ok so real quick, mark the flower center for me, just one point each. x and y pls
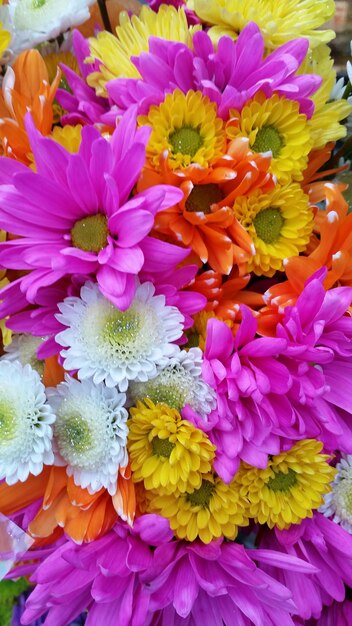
(283, 482)
(7, 423)
(162, 447)
(202, 197)
(90, 233)
(268, 224)
(268, 139)
(186, 140)
(343, 497)
(38, 4)
(122, 327)
(201, 496)
(74, 433)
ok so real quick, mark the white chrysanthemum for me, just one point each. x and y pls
(115, 346)
(178, 384)
(34, 21)
(25, 423)
(90, 432)
(338, 503)
(23, 348)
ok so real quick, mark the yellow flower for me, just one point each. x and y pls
(185, 125)
(68, 136)
(6, 333)
(290, 488)
(213, 510)
(279, 20)
(280, 224)
(53, 60)
(166, 451)
(132, 37)
(275, 125)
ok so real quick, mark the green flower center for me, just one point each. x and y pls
(268, 138)
(122, 327)
(202, 197)
(268, 225)
(90, 233)
(343, 497)
(165, 394)
(186, 140)
(7, 423)
(201, 496)
(38, 4)
(283, 482)
(74, 433)
(162, 447)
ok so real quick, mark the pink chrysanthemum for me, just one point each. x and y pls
(229, 76)
(74, 215)
(328, 548)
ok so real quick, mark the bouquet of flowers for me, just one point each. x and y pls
(176, 258)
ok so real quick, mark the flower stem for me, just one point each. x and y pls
(105, 15)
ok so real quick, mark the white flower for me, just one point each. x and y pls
(338, 89)
(338, 503)
(23, 348)
(90, 432)
(25, 423)
(178, 384)
(34, 21)
(118, 346)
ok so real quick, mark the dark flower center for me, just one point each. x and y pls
(201, 496)
(90, 233)
(283, 482)
(268, 138)
(268, 225)
(162, 447)
(202, 197)
(186, 140)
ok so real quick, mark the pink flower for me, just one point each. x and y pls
(74, 215)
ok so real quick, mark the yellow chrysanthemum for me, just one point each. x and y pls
(166, 452)
(325, 124)
(187, 127)
(279, 21)
(275, 125)
(290, 488)
(132, 37)
(280, 224)
(213, 510)
(69, 137)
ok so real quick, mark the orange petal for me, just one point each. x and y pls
(15, 497)
(54, 373)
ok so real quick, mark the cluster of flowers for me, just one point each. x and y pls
(176, 273)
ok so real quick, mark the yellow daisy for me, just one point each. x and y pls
(132, 37)
(290, 488)
(68, 136)
(275, 125)
(185, 125)
(280, 224)
(279, 21)
(213, 510)
(166, 451)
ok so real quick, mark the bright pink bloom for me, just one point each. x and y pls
(51, 211)
(229, 76)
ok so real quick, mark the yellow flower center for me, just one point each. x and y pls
(162, 447)
(268, 138)
(268, 224)
(90, 233)
(122, 327)
(7, 422)
(343, 497)
(73, 432)
(202, 197)
(186, 140)
(282, 481)
(201, 496)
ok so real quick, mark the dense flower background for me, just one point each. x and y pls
(175, 305)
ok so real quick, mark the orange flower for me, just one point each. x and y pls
(26, 89)
(204, 220)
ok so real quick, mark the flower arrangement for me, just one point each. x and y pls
(175, 305)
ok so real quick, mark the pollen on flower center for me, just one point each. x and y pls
(201, 496)
(73, 432)
(268, 138)
(7, 422)
(186, 140)
(162, 447)
(202, 197)
(282, 481)
(122, 326)
(268, 224)
(90, 233)
(343, 496)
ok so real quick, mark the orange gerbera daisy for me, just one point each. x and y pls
(204, 220)
(26, 89)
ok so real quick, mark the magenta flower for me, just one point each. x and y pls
(327, 547)
(74, 215)
(192, 18)
(338, 614)
(229, 76)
